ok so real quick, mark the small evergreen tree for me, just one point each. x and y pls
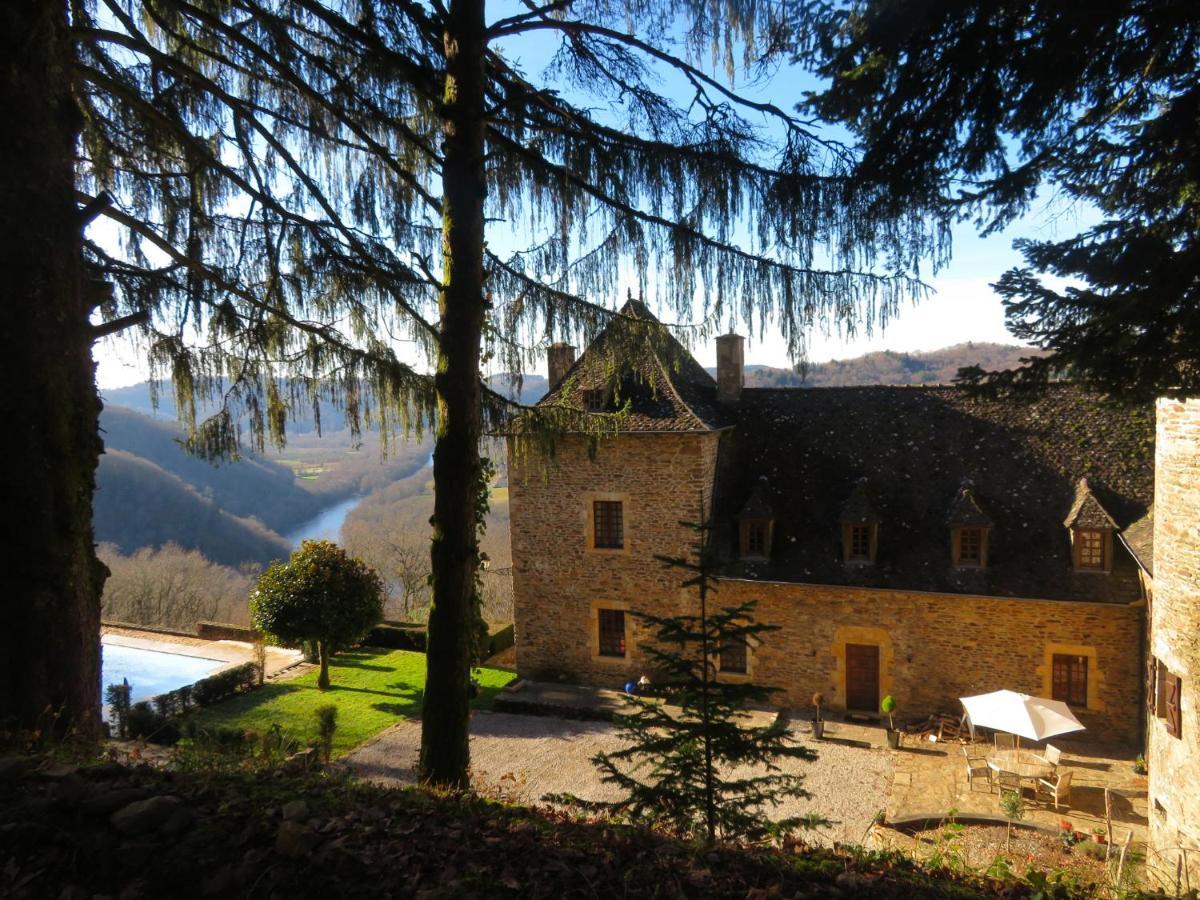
(320, 595)
(686, 763)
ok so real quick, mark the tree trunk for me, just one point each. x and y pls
(50, 650)
(323, 656)
(445, 715)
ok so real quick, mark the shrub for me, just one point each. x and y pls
(326, 728)
(224, 684)
(117, 696)
(398, 636)
(321, 595)
(147, 723)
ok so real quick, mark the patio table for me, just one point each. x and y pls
(1022, 763)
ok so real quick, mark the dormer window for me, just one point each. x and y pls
(1091, 529)
(970, 547)
(859, 543)
(756, 524)
(860, 526)
(969, 529)
(1090, 550)
(595, 400)
(756, 538)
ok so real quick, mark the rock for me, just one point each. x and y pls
(179, 822)
(69, 791)
(103, 771)
(58, 771)
(143, 816)
(110, 801)
(294, 840)
(296, 811)
(14, 767)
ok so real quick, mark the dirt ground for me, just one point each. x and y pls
(523, 758)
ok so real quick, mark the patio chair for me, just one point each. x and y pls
(1009, 781)
(1057, 788)
(1005, 741)
(977, 767)
(1052, 755)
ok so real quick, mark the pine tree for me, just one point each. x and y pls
(975, 108)
(694, 765)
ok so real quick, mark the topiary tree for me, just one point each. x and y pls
(322, 595)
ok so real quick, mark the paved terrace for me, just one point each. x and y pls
(929, 779)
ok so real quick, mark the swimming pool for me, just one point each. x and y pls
(151, 672)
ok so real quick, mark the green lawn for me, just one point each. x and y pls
(371, 688)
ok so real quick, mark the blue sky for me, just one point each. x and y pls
(961, 308)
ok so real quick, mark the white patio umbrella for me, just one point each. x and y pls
(1034, 718)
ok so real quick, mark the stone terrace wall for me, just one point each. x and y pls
(558, 580)
(1175, 633)
(935, 648)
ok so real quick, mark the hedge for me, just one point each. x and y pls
(412, 636)
(153, 720)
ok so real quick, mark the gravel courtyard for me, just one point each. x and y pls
(540, 755)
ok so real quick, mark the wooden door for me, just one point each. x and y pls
(862, 677)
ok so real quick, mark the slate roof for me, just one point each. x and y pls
(666, 388)
(1139, 538)
(965, 511)
(1087, 511)
(757, 506)
(858, 506)
(916, 447)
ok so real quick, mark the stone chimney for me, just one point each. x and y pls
(729, 367)
(559, 358)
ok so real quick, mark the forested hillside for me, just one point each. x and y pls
(889, 367)
(251, 486)
(139, 504)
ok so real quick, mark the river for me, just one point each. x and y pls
(326, 526)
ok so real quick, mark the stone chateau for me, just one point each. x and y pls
(917, 542)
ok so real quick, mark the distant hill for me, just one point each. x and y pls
(252, 486)
(890, 367)
(139, 504)
(150, 492)
(532, 388)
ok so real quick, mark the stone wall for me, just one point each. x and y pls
(935, 648)
(559, 581)
(1175, 635)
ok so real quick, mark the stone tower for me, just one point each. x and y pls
(1173, 713)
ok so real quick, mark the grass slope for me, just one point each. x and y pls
(371, 688)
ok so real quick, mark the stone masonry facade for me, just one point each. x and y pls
(934, 647)
(1174, 761)
(560, 580)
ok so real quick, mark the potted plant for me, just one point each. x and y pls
(1099, 835)
(1139, 765)
(818, 727)
(888, 706)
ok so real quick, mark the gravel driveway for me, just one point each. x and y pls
(525, 757)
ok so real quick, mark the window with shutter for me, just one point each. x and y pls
(1174, 689)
